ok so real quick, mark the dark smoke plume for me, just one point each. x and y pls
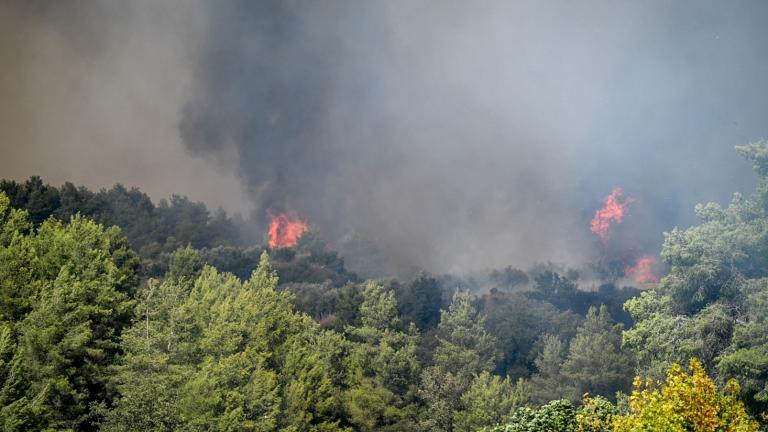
(457, 134)
(452, 135)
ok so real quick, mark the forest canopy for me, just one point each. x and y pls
(117, 314)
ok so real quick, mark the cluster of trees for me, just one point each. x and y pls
(149, 228)
(85, 344)
(713, 305)
(684, 401)
(154, 232)
(90, 341)
(65, 298)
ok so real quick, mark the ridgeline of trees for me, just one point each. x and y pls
(166, 226)
(154, 232)
(118, 315)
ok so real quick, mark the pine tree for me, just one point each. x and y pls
(549, 383)
(383, 366)
(57, 349)
(596, 363)
(489, 401)
(464, 350)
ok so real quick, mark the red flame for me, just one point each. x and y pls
(285, 230)
(642, 271)
(612, 212)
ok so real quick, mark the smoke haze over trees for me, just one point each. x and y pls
(453, 136)
(89, 342)
(434, 216)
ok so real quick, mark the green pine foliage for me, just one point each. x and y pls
(596, 363)
(490, 400)
(65, 303)
(712, 304)
(383, 367)
(88, 341)
(230, 355)
(464, 350)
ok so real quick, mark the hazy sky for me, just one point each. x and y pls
(90, 92)
(454, 134)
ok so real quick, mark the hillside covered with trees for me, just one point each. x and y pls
(235, 337)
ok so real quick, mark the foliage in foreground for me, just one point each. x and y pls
(64, 302)
(85, 344)
(713, 305)
(685, 401)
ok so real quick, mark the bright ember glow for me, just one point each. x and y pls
(285, 230)
(612, 212)
(642, 271)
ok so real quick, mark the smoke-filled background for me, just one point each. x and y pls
(451, 135)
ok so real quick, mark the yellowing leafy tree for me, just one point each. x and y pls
(595, 415)
(686, 401)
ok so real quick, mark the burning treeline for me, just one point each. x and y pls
(286, 228)
(353, 109)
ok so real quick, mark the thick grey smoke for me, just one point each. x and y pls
(91, 92)
(453, 135)
(460, 134)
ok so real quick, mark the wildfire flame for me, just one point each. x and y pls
(642, 271)
(285, 230)
(612, 212)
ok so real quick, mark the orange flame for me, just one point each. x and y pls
(642, 271)
(285, 230)
(612, 212)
